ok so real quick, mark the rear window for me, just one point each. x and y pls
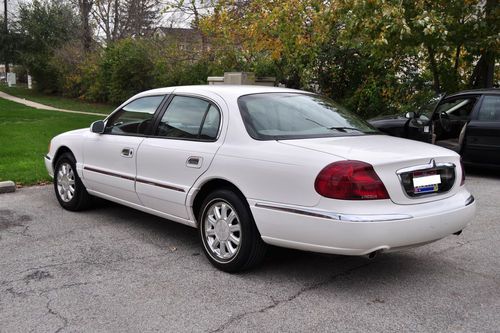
(279, 116)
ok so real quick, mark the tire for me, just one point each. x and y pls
(70, 191)
(228, 233)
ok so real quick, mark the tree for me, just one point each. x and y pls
(374, 55)
(85, 8)
(5, 37)
(484, 71)
(283, 35)
(119, 19)
(446, 38)
(44, 26)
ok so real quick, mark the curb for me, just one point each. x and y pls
(7, 187)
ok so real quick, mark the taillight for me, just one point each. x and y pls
(350, 180)
(462, 182)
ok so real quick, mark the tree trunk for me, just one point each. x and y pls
(434, 69)
(484, 71)
(85, 8)
(483, 74)
(457, 58)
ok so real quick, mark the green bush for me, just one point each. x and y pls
(129, 67)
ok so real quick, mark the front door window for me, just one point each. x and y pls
(134, 118)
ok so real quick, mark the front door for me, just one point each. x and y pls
(420, 127)
(110, 158)
(482, 136)
(181, 150)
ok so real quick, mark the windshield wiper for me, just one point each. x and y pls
(343, 129)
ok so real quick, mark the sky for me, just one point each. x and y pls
(170, 18)
(12, 6)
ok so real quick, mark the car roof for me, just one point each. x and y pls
(223, 90)
(489, 91)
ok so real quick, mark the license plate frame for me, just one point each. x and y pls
(425, 182)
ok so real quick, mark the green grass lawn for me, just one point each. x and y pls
(56, 101)
(24, 138)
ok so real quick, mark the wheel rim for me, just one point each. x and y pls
(66, 182)
(222, 230)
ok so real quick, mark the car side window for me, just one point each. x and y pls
(135, 117)
(189, 118)
(458, 109)
(490, 109)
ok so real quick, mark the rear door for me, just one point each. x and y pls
(482, 137)
(181, 149)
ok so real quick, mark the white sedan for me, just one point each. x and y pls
(250, 166)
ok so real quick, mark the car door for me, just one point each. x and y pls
(482, 136)
(420, 127)
(110, 158)
(184, 142)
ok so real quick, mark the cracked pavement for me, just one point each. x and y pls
(114, 269)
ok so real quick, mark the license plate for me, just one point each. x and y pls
(426, 183)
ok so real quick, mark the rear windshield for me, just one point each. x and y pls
(279, 116)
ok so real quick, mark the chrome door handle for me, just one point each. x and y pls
(194, 162)
(127, 152)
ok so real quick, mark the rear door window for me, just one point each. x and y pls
(190, 118)
(490, 109)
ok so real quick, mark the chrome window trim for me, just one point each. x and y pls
(199, 96)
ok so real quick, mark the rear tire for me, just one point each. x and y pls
(228, 233)
(70, 191)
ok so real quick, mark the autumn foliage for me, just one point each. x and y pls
(374, 56)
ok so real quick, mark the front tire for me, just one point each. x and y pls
(228, 233)
(70, 191)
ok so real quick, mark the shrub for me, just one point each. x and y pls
(129, 67)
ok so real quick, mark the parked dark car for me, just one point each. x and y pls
(467, 122)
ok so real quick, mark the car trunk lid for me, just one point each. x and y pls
(413, 172)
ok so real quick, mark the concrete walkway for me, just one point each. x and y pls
(43, 106)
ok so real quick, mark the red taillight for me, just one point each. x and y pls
(350, 180)
(462, 182)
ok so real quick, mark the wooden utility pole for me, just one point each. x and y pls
(6, 31)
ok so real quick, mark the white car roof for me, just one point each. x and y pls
(223, 90)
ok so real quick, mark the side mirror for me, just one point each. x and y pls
(410, 115)
(97, 127)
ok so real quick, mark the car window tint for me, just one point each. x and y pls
(189, 118)
(490, 109)
(279, 116)
(135, 117)
(211, 124)
(458, 109)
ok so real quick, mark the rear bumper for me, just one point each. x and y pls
(352, 234)
(48, 165)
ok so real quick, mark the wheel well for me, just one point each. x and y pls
(209, 187)
(60, 151)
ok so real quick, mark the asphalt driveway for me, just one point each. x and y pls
(114, 269)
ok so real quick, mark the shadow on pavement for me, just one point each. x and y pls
(280, 263)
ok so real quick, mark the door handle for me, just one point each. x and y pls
(194, 162)
(127, 152)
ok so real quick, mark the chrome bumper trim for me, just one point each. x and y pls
(335, 216)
